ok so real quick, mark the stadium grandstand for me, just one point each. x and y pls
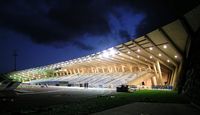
(156, 58)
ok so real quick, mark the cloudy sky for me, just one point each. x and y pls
(49, 31)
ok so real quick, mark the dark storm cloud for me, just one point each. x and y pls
(83, 46)
(55, 22)
(46, 22)
(124, 34)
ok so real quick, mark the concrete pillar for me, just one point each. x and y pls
(130, 68)
(82, 71)
(156, 73)
(66, 72)
(115, 68)
(110, 69)
(103, 69)
(122, 66)
(154, 81)
(70, 71)
(159, 72)
(78, 70)
(174, 76)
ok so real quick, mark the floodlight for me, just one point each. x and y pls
(105, 54)
(164, 46)
(112, 51)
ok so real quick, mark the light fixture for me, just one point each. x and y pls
(128, 52)
(100, 56)
(112, 51)
(138, 56)
(150, 48)
(176, 56)
(168, 60)
(164, 46)
(151, 57)
(159, 55)
(105, 54)
(138, 50)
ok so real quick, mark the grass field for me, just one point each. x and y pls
(101, 103)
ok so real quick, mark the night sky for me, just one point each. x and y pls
(50, 31)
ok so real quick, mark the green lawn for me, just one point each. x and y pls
(97, 104)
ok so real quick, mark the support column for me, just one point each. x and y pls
(123, 68)
(157, 76)
(70, 71)
(103, 69)
(130, 68)
(115, 68)
(110, 69)
(154, 81)
(66, 71)
(78, 70)
(82, 71)
(97, 69)
(174, 77)
(159, 72)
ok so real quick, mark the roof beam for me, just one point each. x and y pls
(153, 55)
(135, 52)
(154, 45)
(169, 39)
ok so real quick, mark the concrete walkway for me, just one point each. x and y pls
(142, 108)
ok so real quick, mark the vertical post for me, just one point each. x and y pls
(115, 68)
(123, 68)
(159, 71)
(157, 76)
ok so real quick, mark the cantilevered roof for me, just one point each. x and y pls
(167, 44)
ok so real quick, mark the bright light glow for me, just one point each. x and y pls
(176, 56)
(105, 54)
(138, 50)
(164, 46)
(168, 61)
(159, 55)
(109, 52)
(138, 56)
(131, 57)
(151, 57)
(150, 48)
(128, 52)
(112, 51)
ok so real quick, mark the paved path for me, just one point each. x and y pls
(142, 108)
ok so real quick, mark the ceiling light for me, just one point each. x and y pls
(150, 48)
(138, 56)
(159, 55)
(112, 51)
(176, 56)
(105, 54)
(138, 50)
(168, 61)
(164, 46)
(151, 57)
(128, 52)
